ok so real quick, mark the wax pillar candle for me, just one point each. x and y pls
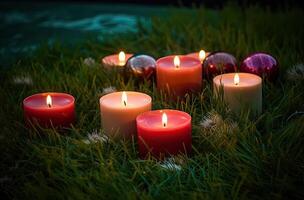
(163, 132)
(201, 55)
(240, 90)
(119, 111)
(49, 109)
(178, 75)
(116, 61)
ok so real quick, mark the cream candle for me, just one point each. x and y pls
(178, 75)
(240, 90)
(119, 111)
(116, 61)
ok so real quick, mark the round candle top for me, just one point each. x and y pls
(201, 55)
(119, 59)
(126, 99)
(178, 62)
(163, 119)
(50, 100)
(237, 80)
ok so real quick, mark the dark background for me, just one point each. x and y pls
(274, 4)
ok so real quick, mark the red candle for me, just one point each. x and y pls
(201, 55)
(178, 75)
(163, 132)
(49, 109)
(116, 61)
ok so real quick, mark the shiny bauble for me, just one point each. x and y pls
(219, 63)
(261, 64)
(141, 66)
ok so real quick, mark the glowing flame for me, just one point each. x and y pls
(236, 79)
(176, 62)
(124, 98)
(164, 120)
(49, 101)
(122, 57)
(202, 55)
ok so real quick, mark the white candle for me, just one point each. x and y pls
(119, 111)
(240, 90)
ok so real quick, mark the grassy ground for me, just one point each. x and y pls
(236, 158)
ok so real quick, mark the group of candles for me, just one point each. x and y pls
(128, 114)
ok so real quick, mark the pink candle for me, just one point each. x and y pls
(178, 75)
(49, 109)
(116, 61)
(201, 55)
(163, 132)
(119, 111)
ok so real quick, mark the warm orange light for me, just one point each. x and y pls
(122, 58)
(176, 62)
(124, 98)
(49, 101)
(164, 120)
(202, 55)
(236, 79)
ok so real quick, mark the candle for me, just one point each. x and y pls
(201, 55)
(116, 61)
(163, 132)
(240, 90)
(49, 109)
(178, 75)
(119, 111)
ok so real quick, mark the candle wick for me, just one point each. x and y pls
(125, 103)
(49, 105)
(165, 124)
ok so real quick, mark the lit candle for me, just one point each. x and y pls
(116, 61)
(201, 55)
(49, 110)
(119, 111)
(240, 90)
(178, 75)
(163, 133)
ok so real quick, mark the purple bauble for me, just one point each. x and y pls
(141, 66)
(261, 64)
(219, 63)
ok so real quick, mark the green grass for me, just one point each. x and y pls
(258, 159)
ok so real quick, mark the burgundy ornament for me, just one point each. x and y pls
(141, 66)
(261, 64)
(219, 63)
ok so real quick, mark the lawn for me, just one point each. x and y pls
(236, 157)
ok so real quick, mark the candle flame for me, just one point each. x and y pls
(176, 62)
(49, 100)
(236, 79)
(164, 120)
(122, 57)
(124, 98)
(202, 55)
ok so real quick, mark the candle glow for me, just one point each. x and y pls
(49, 101)
(122, 57)
(202, 55)
(124, 98)
(176, 61)
(236, 79)
(164, 120)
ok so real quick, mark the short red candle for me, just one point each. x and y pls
(159, 139)
(116, 61)
(179, 80)
(201, 55)
(61, 112)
